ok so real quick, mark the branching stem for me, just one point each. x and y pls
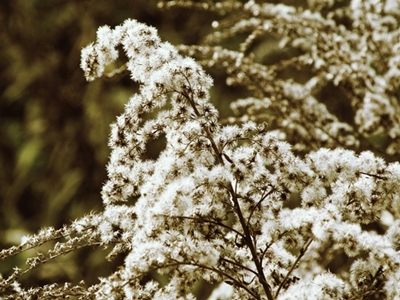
(247, 234)
(302, 252)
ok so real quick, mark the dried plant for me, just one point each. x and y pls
(260, 203)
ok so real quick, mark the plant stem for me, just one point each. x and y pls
(302, 252)
(246, 230)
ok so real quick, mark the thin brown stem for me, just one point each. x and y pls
(301, 254)
(219, 272)
(247, 234)
(201, 220)
(258, 204)
(250, 244)
(239, 265)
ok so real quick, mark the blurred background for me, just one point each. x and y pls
(54, 125)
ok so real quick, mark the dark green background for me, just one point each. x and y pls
(54, 125)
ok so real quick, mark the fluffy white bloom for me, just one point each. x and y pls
(291, 211)
(217, 202)
(324, 286)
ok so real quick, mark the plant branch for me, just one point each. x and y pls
(247, 234)
(301, 254)
(201, 220)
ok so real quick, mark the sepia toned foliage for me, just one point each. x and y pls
(293, 195)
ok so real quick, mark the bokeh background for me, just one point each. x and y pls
(54, 125)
